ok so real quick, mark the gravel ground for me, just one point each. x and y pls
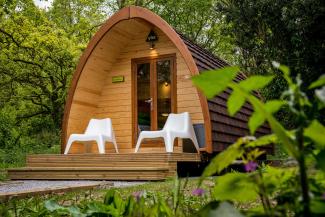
(37, 185)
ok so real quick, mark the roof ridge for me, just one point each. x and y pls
(207, 52)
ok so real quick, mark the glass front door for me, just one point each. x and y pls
(153, 95)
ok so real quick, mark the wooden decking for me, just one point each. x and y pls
(125, 166)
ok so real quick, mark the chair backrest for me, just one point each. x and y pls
(99, 126)
(177, 122)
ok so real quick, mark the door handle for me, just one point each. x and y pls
(151, 103)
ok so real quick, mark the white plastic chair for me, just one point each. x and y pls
(177, 125)
(99, 130)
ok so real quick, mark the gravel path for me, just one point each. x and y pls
(31, 186)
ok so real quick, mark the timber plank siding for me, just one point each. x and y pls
(225, 129)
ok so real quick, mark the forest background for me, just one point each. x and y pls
(40, 47)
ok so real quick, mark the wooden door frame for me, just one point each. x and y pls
(153, 88)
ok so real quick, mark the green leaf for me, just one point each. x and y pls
(235, 102)
(317, 206)
(75, 211)
(263, 140)
(283, 136)
(285, 70)
(316, 132)
(275, 178)
(109, 197)
(276, 127)
(255, 82)
(224, 159)
(176, 190)
(95, 207)
(318, 83)
(129, 206)
(223, 209)
(273, 106)
(320, 93)
(320, 160)
(255, 121)
(235, 187)
(52, 205)
(215, 81)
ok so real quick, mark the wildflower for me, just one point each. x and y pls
(250, 166)
(198, 192)
(137, 195)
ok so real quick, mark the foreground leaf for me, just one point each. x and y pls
(52, 205)
(285, 70)
(235, 102)
(100, 208)
(276, 127)
(320, 93)
(224, 159)
(255, 121)
(223, 209)
(320, 159)
(316, 132)
(273, 106)
(215, 81)
(235, 187)
(274, 178)
(317, 207)
(255, 82)
(262, 141)
(318, 83)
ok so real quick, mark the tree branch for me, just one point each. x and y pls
(28, 62)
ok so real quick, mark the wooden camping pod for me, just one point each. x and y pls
(119, 77)
(114, 50)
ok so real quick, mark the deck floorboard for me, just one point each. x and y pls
(111, 166)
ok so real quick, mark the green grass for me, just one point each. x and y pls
(30, 205)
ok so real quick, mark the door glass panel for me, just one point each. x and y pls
(163, 91)
(144, 99)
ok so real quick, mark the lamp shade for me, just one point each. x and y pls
(152, 37)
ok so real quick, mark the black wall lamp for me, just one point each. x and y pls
(151, 39)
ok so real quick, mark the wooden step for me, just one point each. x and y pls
(95, 164)
(93, 173)
(110, 160)
(110, 166)
(162, 157)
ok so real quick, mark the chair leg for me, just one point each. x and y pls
(138, 143)
(194, 140)
(114, 142)
(115, 145)
(68, 146)
(101, 145)
(169, 143)
(196, 144)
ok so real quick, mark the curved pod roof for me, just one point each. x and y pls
(129, 13)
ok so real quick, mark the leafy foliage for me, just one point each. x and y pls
(235, 187)
(305, 142)
(196, 19)
(38, 55)
(290, 31)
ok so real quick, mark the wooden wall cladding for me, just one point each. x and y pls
(225, 129)
(97, 97)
